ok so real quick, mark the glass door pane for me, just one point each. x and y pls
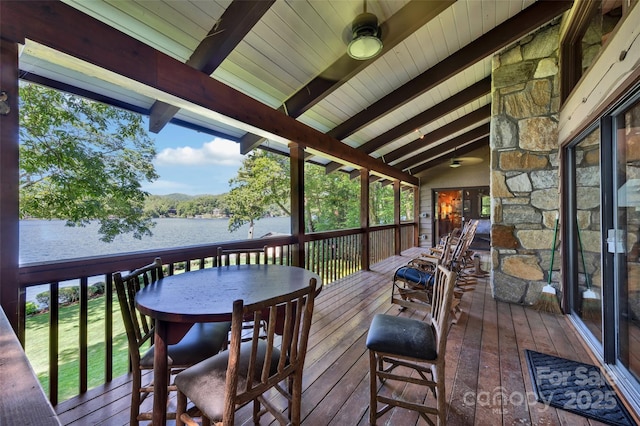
(627, 238)
(588, 285)
(448, 212)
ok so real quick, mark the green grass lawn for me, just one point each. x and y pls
(37, 346)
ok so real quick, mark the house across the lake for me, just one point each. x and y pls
(523, 114)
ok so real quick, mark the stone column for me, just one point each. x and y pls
(524, 166)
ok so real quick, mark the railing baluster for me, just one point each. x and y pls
(332, 256)
(108, 328)
(53, 342)
(84, 338)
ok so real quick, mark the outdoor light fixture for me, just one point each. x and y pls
(455, 163)
(365, 42)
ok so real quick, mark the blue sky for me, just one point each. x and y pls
(193, 163)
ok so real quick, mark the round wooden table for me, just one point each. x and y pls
(207, 295)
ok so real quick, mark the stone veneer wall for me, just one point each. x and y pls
(524, 166)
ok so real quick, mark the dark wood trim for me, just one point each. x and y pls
(571, 48)
(9, 184)
(249, 142)
(481, 131)
(68, 30)
(234, 24)
(402, 24)
(461, 123)
(503, 35)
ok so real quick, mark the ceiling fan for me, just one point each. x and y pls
(456, 162)
(366, 41)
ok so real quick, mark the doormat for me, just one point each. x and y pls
(576, 387)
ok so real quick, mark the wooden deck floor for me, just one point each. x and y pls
(486, 374)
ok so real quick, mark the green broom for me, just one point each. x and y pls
(548, 300)
(590, 301)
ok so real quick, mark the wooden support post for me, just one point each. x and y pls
(297, 202)
(396, 215)
(364, 217)
(9, 182)
(416, 216)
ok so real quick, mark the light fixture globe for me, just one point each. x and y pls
(455, 163)
(365, 42)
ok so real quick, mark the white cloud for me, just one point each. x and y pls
(164, 186)
(217, 152)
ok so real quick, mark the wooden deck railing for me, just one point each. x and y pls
(332, 255)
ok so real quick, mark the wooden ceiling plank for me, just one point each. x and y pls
(471, 93)
(234, 24)
(462, 151)
(503, 35)
(402, 24)
(463, 139)
(70, 31)
(460, 99)
(440, 133)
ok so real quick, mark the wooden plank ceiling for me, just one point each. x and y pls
(424, 97)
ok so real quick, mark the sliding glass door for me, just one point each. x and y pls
(454, 207)
(602, 219)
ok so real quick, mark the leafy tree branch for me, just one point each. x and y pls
(82, 161)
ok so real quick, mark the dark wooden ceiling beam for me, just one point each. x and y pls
(402, 24)
(439, 134)
(444, 158)
(70, 31)
(234, 24)
(471, 93)
(459, 141)
(503, 35)
(413, 16)
(63, 87)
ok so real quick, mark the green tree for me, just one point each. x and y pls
(331, 201)
(380, 204)
(262, 181)
(82, 161)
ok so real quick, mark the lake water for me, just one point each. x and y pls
(44, 240)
